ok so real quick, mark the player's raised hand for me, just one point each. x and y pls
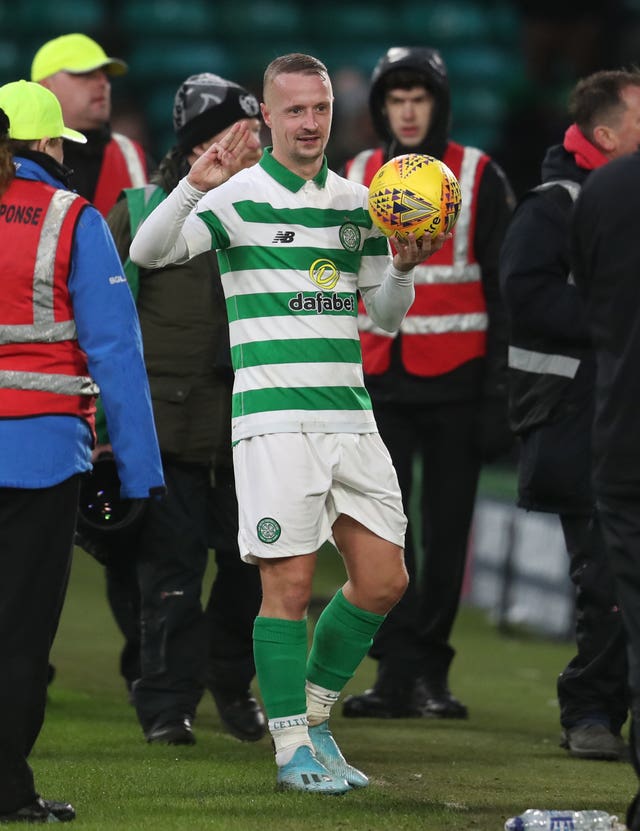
(410, 251)
(223, 158)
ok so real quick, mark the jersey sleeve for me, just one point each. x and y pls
(376, 257)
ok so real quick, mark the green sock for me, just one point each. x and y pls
(342, 637)
(280, 654)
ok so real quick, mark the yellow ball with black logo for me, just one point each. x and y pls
(414, 193)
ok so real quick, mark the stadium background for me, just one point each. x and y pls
(511, 62)
(511, 65)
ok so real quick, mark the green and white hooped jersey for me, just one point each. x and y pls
(292, 255)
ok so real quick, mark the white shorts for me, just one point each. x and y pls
(293, 486)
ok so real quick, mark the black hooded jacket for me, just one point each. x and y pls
(551, 373)
(481, 377)
(546, 313)
(606, 259)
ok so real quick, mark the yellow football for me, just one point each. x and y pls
(414, 193)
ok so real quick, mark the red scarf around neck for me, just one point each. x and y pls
(586, 154)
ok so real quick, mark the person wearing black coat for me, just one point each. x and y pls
(606, 258)
(551, 380)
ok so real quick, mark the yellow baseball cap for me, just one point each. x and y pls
(34, 113)
(75, 53)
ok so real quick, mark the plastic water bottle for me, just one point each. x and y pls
(535, 820)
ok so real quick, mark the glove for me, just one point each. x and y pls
(493, 434)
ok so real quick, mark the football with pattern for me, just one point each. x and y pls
(414, 193)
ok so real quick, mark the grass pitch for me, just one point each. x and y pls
(425, 774)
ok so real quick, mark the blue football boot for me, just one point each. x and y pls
(328, 752)
(305, 773)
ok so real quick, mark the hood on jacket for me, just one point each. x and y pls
(558, 163)
(405, 67)
(173, 167)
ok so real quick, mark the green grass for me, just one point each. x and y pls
(425, 774)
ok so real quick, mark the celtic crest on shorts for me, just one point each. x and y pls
(268, 530)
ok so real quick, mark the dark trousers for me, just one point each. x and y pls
(36, 538)
(594, 683)
(123, 595)
(235, 595)
(414, 639)
(173, 648)
(620, 520)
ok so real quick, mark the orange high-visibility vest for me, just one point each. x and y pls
(42, 368)
(446, 324)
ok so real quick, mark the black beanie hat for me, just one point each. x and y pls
(207, 104)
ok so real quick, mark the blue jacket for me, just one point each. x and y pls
(41, 451)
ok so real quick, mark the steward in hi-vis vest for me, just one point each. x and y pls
(49, 372)
(447, 324)
(68, 331)
(438, 384)
(78, 72)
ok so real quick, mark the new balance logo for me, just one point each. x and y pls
(284, 236)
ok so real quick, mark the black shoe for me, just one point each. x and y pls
(41, 810)
(593, 740)
(240, 714)
(633, 814)
(171, 732)
(62, 811)
(376, 704)
(436, 701)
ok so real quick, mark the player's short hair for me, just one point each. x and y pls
(295, 62)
